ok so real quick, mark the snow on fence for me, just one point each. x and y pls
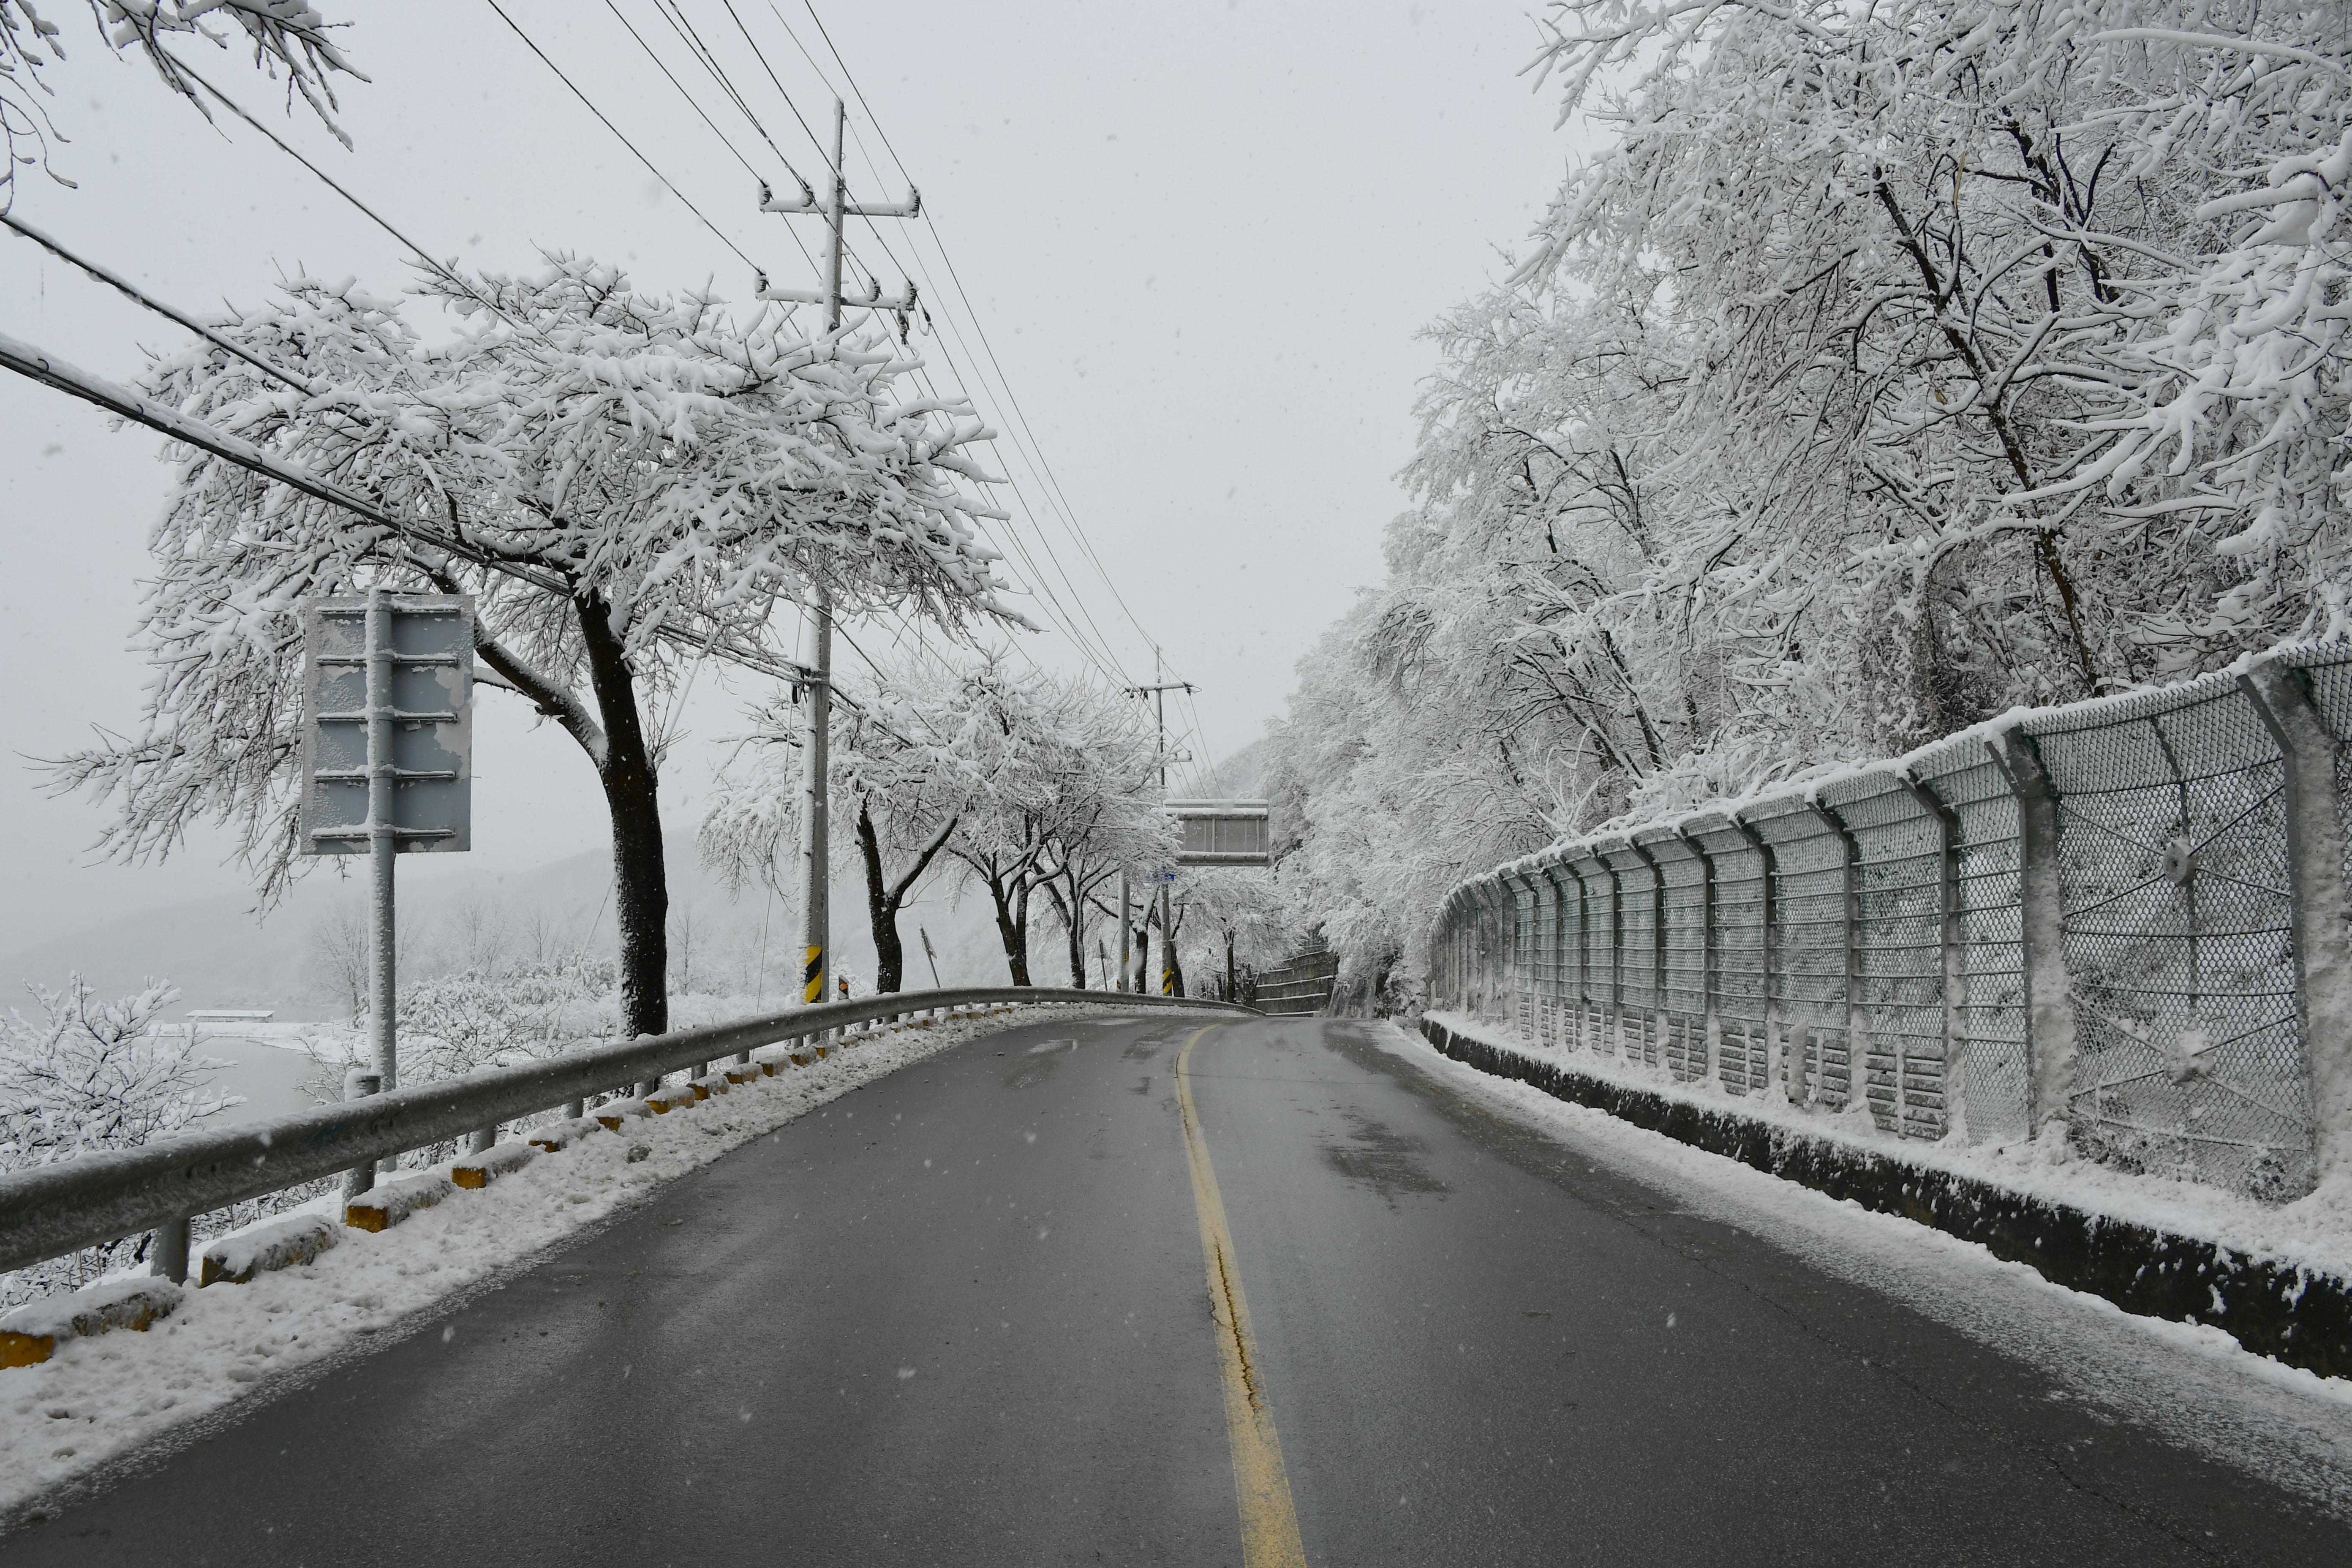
(2121, 921)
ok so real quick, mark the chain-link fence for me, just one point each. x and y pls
(2126, 919)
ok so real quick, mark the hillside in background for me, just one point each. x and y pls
(220, 954)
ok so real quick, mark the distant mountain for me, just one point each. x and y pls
(220, 954)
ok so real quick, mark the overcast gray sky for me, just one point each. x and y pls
(1201, 238)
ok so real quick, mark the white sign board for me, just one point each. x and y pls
(428, 724)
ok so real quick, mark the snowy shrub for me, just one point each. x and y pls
(80, 1076)
(500, 1014)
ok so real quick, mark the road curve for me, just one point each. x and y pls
(961, 1317)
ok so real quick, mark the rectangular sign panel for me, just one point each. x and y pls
(1221, 832)
(429, 723)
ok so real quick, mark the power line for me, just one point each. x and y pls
(940, 240)
(615, 130)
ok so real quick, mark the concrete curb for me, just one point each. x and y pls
(2291, 1313)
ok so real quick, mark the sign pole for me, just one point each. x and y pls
(384, 843)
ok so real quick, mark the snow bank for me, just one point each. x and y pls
(2313, 1233)
(95, 1399)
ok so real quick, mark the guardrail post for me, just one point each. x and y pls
(358, 1084)
(171, 1260)
(2050, 1051)
(483, 1141)
(2320, 902)
(1953, 939)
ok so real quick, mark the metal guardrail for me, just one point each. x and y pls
(2126, 918)
(51, 1210)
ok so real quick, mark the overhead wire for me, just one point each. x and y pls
(1102, 654)
(617, 133)
(939, 239)
(1041, 583)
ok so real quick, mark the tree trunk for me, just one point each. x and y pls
(881, 909)
(1074, 919)
(640, 881)
(1012, 930)
(1233, 977)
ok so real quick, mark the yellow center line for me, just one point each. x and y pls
(1261, 1486)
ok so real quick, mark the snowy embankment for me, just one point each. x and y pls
(2194, 1384)
(98, 1398)
(2277, 1280)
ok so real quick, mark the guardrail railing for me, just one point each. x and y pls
(49, 1211)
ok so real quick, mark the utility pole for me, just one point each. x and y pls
(1157, 691)
(816, 838)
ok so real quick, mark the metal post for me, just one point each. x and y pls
(834, 216)
(1768, 946)
(1954, 942)
(1126, 936)
(2316, 873)
(1710, 1016)
(358, 1084)
(171, 1260)
(1858, 1046)
(816, 838)
(2049, 1049)
(384, 843)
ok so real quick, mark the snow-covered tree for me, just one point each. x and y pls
(904, 768)
(625, 482)
(1072, 797)
(82, 1076)
(1886, 367)
(1240, 921)
(500, 1013)
(285, 36)
(1025, 781)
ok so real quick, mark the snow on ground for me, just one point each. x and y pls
(2196, 1385)
(95, 1399)
(2315, 1231)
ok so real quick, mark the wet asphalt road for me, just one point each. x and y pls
(959, 1318)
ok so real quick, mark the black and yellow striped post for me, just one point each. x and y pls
(813, 977)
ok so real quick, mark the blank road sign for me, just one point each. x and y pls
(431, 660)
(1219, 832)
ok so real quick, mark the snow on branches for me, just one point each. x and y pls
(83, 1075)
(287, 36)
(623, 481)
(1885, 367)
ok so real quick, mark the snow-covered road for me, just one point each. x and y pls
(957, 1315)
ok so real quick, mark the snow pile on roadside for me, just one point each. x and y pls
(2313, 1232)
(2194, 1385)
(95, 1399)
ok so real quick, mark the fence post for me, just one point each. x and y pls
(2050, 1052)
(1768, 946)
(1857, 1048)
(2315, 876)
(1551, 874)
(1953, 939)
(1615, 1029)
(1710, 1017)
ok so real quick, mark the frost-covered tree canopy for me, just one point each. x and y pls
(287, 37)
(623, 481)
(1023, 780)
(1887, 366)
